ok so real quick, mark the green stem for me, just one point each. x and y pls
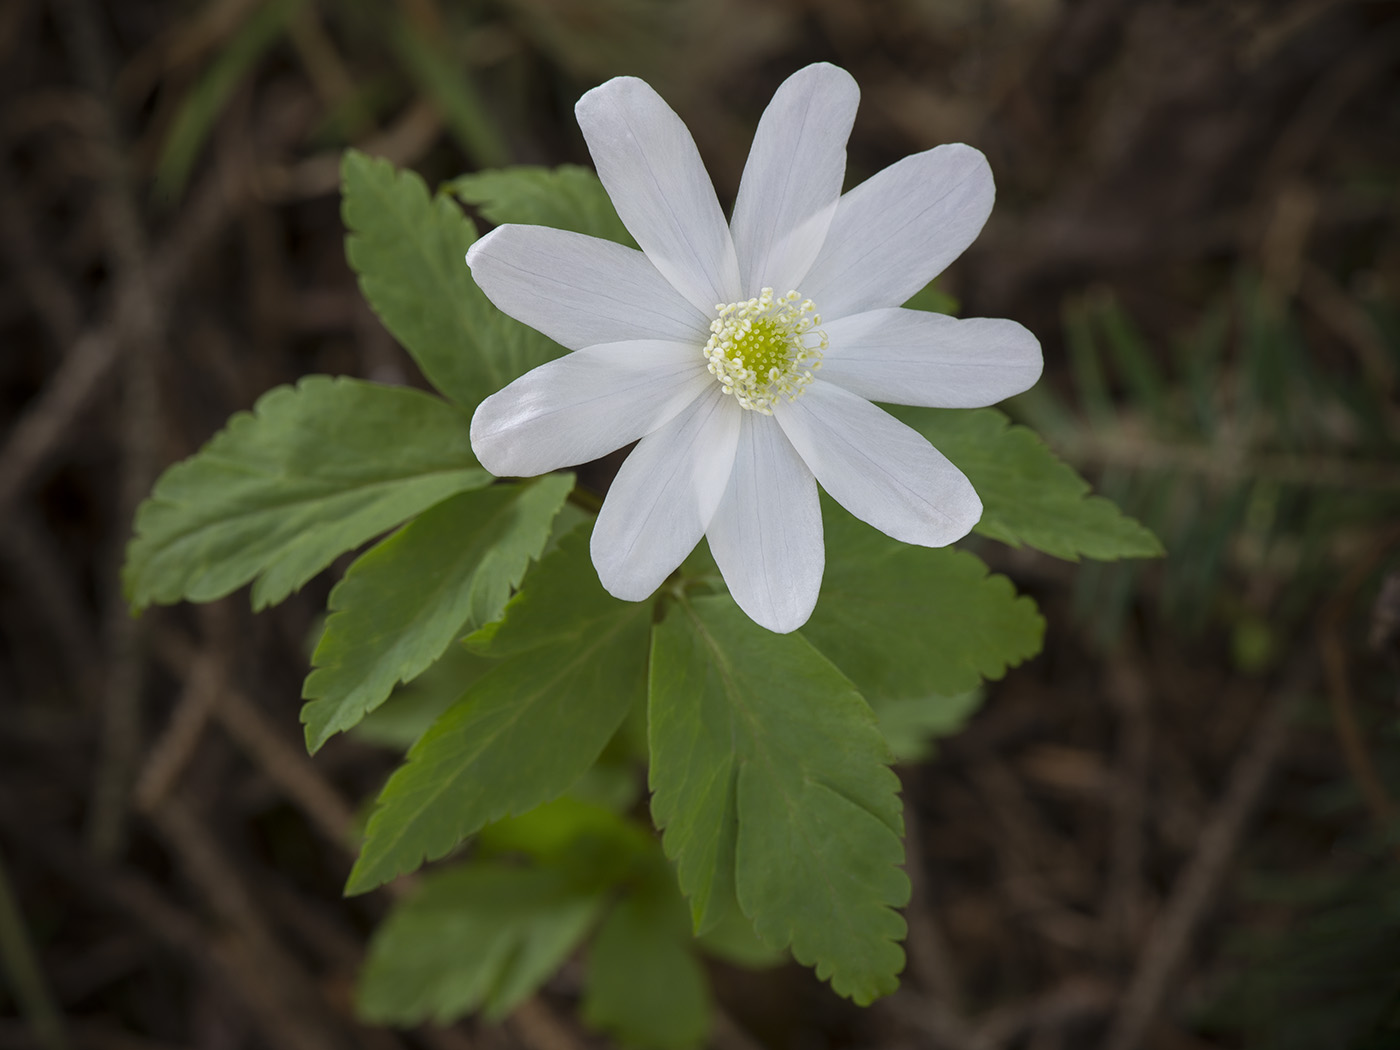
(589, 501)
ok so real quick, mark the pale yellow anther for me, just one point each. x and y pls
(765, 348)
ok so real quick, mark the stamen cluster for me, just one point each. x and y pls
(765, 348)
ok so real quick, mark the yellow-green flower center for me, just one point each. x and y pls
(765, 348)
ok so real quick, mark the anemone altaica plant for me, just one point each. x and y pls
(701, 348)
(744, 358)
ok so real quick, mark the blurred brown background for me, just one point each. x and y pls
(1173, 830)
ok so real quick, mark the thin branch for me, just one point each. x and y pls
(288, 768)
(1196, 888)
(37, 564)
(118, 887)
(538, 1027)
(1123, 905)
(50, 416)
(175, 748)
(403, 143)
(1334, 662)
(930, 958)
(52, 299)
(281, 993)
(145, 317)
(284, 765)
(1074, 1001)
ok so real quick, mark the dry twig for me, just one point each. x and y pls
(284, 765)
(145, 321)
(1123, 910)
(1195, 889)
(930, 959)
(1335, 664)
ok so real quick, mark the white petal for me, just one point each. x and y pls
(766, 535)
(880, 470)
(899, 229)
(912, 357)
(580, 290)
(653, 173)
(585, 404)
(792, 180)
(664, 496)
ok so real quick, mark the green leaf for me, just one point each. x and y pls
(911, 724)
(483, 936)
(573, 663)
(313, 471)
(567, 197)
(1029, 495)
(644, 984)
(613, 783)
(732, 939)
(402, 603)
(407, 714)
(904, 622)
(932, 299)
(769, 776)
(570, 832)
(409, 250)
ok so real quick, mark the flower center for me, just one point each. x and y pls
(765, 347)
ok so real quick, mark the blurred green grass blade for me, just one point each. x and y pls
(1187, 591)
(1274, 373)
(1253, 352)
(372, 99)
(1085, 364)
(1131, 357)
(1105, 591)
(440, 78)
(1045, 412)
(20, 964)
(1300, 395)
(210, 94)
(1202, 355)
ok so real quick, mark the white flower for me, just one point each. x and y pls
(699, 348)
